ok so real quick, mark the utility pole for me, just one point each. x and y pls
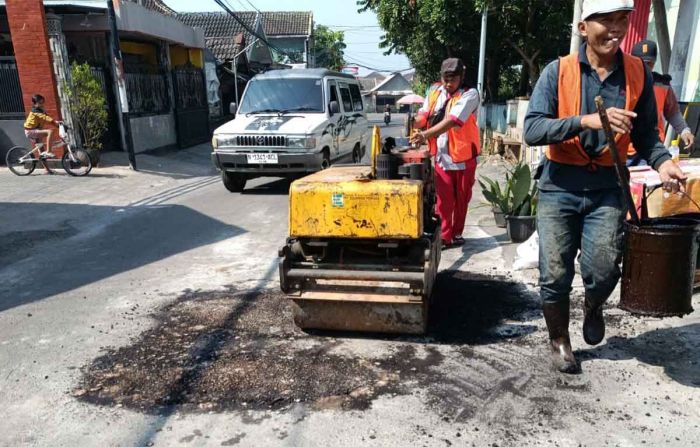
(575, 38)
(482, 50)
(681, 45)
(662, 34)
(120, 86)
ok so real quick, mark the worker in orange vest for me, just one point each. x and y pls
(580, 205)
(449, 117)
(667, 107)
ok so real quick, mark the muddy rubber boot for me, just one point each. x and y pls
(557, 317)
(593, 322)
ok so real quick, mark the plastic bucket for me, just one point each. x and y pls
(520, 228)
(500, 218)
(659, 267)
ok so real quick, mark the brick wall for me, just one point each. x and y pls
(33, 54)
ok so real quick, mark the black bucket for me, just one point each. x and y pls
(520, 228)
(696, 218)
(659, 267)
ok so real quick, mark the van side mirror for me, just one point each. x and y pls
(334, 107)
(232, 108)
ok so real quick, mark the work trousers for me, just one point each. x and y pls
(590, 221)
(454, 192)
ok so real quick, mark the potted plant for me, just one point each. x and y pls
(498, 197)
(88, 108)
(522, 219)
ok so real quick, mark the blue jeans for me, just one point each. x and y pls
(587, 220)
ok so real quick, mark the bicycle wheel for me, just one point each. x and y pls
(20, 160)
(77, 163)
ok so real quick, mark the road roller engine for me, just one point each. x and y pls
(364, 244)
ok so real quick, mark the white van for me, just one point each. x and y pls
(291, 122)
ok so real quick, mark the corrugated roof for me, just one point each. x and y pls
(288, 23)
(219, 30)
(156, 5)
(275, 23)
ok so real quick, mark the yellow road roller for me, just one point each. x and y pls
(364, 244)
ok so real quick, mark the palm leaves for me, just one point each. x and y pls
(517, 197)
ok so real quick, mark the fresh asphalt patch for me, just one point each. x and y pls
(483, 360)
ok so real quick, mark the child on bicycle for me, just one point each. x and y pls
(34, 126)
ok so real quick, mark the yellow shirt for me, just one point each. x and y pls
(36, 119)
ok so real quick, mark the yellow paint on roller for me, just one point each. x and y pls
(340, 203)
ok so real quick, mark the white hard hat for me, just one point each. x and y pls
(591, 7)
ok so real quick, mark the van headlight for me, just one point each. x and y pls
(301, 142)
(224, 141)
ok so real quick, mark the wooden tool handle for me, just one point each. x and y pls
(620, 167)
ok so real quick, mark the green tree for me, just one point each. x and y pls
(329, 47)
(88, 106)
(520, 32)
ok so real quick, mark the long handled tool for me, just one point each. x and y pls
(620, 168)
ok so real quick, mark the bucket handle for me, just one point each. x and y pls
(656, 187)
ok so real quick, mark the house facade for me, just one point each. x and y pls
(278, 40)
(162, 92)
(386, 93)
(292, 33)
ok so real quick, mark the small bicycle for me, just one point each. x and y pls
(22, 161)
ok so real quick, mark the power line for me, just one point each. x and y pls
(228, 8)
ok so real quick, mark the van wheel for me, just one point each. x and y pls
(326, 163)
(357, 155)
(233, 182)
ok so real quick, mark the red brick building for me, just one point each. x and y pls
(163, 92)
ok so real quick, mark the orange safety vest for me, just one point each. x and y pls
(463, 142)
(661, 93)
(571, 152)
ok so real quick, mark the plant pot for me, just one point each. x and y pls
(520, 228)
(94, 156)
(499, 217)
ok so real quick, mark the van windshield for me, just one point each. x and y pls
(283, 95)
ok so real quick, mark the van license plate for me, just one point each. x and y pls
(262, 158)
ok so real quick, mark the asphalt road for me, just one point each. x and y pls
(94, 270)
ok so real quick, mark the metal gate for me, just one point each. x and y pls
(11, 103)
(191, 106)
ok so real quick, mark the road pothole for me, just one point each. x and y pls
(233, 350)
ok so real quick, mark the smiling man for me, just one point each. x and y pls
(581, 203)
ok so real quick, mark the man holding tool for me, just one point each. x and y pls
(449, 114)
(667, 108)
(581, 205)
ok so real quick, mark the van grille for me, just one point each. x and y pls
(261, 141)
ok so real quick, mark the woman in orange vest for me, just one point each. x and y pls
(667, 107)
(449, 114)
(580, 206)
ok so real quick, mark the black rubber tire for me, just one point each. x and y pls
(233, 182)
(326, 163)
(12, 161)
(81, 164)
(357, 154)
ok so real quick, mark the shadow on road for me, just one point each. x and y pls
(272, 188)
(479, 309)
(676, 350)
(66, 260)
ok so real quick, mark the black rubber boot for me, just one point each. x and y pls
(593, 322)
(557, 317)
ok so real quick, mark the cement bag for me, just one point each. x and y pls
(527, 255)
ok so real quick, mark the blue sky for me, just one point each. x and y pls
(362, 33)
